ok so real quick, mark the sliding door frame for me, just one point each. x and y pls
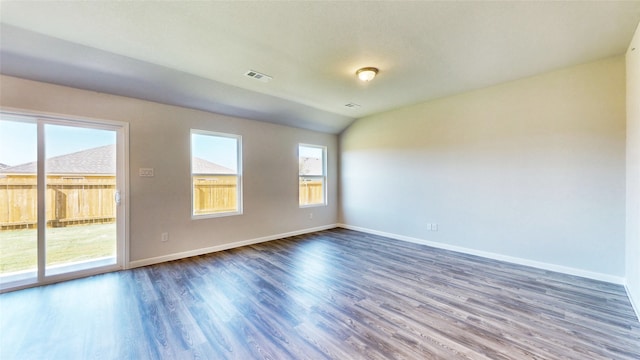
(122, 188)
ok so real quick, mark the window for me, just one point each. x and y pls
(312, 175)
(215, 174)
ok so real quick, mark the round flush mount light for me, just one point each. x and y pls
(367, 73)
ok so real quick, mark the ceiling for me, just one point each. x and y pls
(195, 54)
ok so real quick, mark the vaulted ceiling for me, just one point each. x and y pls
(196, 54)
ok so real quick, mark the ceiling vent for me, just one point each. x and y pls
(258, 76)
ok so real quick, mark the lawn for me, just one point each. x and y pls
(64, 245)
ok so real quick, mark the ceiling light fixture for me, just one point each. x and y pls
(367, 73)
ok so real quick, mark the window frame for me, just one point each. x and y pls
(238, 175)
(43, 275)
(323, 177)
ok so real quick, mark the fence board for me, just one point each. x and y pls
(215, 193)
(311, 192)
(68, 200)
(87, 199)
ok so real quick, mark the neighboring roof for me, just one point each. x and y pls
(310, 166)
(99, 160)
(202, 166)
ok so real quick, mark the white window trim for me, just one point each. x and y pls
(325, 201)
(239, 200)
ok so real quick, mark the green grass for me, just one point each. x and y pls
(64, 245)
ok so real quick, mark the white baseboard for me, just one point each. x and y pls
(511, 259)
(207, 250)
(634, 304)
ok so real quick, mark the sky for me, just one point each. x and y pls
(18, 143)
(18, 140)
(220, 150)
(310, 151)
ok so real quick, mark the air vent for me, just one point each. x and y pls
(352, 105)
(258, 76)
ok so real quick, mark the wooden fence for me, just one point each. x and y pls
(214, 193)
(90, 199)
(69, 201)
(311, 192)
(217, 193)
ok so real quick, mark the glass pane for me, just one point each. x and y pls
(311, 190)
(311, 185)
(310, 160)
(215, 173)
(214, 154)
(80, 198)
(215, 194)
(18, 199)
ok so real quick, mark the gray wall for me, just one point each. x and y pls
(531, 170)
(633, 171)
(159, 139)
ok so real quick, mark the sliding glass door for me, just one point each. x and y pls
(61, 202)
(18, 199)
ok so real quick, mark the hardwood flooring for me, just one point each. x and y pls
(336, 294)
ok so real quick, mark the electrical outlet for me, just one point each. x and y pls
(145, 172)
(434, 227)
(164, 237)
(310, 216)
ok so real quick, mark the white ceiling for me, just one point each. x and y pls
(195, 54)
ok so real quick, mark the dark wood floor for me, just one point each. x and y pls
(336, 294)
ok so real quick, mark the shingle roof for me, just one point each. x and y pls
(202, 166)
(99, 160)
